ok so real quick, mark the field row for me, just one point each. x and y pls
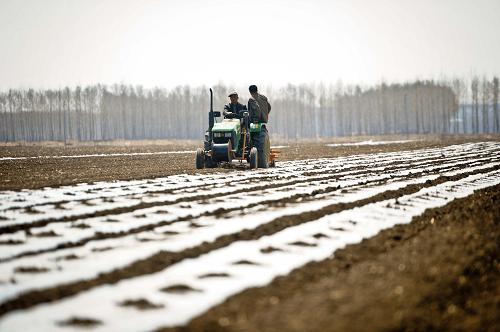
(201, 238)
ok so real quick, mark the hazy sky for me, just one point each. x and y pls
(53, 43)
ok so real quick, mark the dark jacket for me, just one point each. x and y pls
(259, 109)
(234, 110)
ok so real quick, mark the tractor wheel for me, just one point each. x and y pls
(254, 158)
(200, 158)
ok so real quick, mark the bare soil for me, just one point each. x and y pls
(49, 172)
(440, 272)
(163, 259)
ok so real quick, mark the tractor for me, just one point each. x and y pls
(234, 139)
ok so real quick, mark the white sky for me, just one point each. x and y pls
(53, 43)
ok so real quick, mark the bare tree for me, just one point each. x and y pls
(495, 105)
(485, 93)
(475, 104)
(307, 110)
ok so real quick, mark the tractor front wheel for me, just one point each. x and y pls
(200, 158)
(254, 158)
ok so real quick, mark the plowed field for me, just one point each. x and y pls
(395, 237)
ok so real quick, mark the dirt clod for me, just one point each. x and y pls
(80, 322)
(269, 250)
(178, 289)
(30, 269)
(140, 304)
(214, 275)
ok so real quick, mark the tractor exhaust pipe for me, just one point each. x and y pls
(211, 118)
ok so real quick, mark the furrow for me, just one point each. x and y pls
(61, 235)
(85, 192)
(215, 238)
(191, 287)
(28, 218)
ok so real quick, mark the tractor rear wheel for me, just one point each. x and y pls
(254, 158)
(200, 158)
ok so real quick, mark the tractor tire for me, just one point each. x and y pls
(254, 158)
(266, 150)
(200, 158)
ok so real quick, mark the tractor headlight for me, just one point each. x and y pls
(218, 134)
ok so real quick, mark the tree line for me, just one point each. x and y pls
(100, 112)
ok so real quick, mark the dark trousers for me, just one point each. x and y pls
(262, 143)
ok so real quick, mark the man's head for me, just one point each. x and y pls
(233, 96)
(253, 90)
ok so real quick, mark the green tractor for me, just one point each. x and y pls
(232, 139)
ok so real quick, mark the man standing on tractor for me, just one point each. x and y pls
(262, 103)
(234, 108)
(260, 108)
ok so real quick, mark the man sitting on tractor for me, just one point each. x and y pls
(259, 108)
(234, 109)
